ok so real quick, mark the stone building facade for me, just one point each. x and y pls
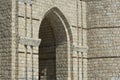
(59, 40)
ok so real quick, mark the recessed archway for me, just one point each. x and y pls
(54, 50)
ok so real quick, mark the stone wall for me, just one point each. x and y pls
(5, 39)
(103, 21)
(66, 9)
(40, 9)
(103, 39)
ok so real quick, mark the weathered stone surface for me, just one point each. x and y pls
(29, 41)
(55, 22)
(5, 40)
(103, 39)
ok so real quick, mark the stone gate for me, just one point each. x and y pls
(59, 40)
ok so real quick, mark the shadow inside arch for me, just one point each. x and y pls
(63, 18)
(56, 35)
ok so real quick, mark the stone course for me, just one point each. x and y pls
(103, 39)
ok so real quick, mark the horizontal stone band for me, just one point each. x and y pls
(80, 48)
(29, 41)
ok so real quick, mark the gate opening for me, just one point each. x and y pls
(47, 58)
(54, 50)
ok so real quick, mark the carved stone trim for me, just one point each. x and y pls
(29, 41)
(80, 48)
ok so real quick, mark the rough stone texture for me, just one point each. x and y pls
(103, 39)
(43, 9)
(55, 22)
(104, 69)
(5, 40)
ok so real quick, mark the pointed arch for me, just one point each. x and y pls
(61, 16)
(55, 29)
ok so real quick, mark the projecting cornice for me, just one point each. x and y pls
(90, 0)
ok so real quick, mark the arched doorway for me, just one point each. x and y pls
(55, 47)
